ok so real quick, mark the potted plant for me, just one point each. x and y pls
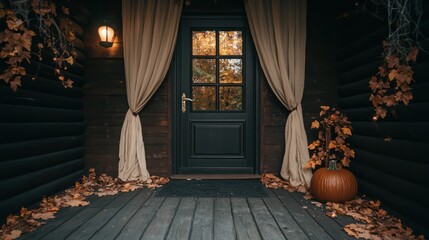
(332, 183)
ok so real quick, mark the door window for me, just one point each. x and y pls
(217, 70)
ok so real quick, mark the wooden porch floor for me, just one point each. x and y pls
(142, 215)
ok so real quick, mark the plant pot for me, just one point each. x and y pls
(333, 185)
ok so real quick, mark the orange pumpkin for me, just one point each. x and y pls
(333, 184)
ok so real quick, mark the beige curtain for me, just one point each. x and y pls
(278, 29)
(149, 34)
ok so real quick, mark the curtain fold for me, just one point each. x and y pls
(278, 28)
(149, 36)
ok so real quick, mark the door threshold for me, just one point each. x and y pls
(215, 176)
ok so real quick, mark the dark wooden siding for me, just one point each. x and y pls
(41, 131)
(105, 104)
(320, 87)
(391, 162)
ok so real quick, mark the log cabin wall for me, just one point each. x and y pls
(391, 161)
(320, 87)
(42, 128)
(106, 104)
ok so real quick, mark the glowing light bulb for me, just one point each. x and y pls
(106, 36)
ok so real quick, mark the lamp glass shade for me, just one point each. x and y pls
(106, 34)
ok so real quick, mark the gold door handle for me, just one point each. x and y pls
(184, 99)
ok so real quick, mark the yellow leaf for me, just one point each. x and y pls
(331, 214)
(373, 84)
(308, 196)
(381, 112)
(346, 131)
(43, 216)
(15, 83)
(14, 24)
(76, 203)
(314, 144)
(345, 161)
(325, 108)
(68, 83)
(310, 164)
(392, 74)
(392, 61)
(332, 144)
(412, 55)
(315, 124)
(382, 71)
(70, 60)
(14, 234)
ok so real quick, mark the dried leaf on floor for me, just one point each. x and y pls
(43, 216)
(318, 204)
(308, 196)
(332, 214)
(14, 234)
(271, 181)
(373, 222)
(76, 203)
(102, 185)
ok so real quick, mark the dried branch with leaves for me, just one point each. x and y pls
(391, 85)
(327, 146)
(20, 18)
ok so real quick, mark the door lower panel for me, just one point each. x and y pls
(217, 139)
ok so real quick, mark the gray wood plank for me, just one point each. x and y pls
(287, 224)
(181, 226)
(68, 227)
(97, 221)
(136, 226)
(223, 220)
(245, 225)
(202, 226)
(158, 227)
(307, 223)
(266, 224)
(61, 217)
(330, 225)
(112, 228)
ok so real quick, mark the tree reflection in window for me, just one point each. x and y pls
(230, 71)
(203, 43)
(217, 70)
(230, 98)
(204, 70)
(230, 43)
(204, 98)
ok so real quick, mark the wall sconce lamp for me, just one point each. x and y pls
(106, 35)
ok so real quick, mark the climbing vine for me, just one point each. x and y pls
(29, 27)
(391, 85)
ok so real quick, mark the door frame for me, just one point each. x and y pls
(175, 72)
